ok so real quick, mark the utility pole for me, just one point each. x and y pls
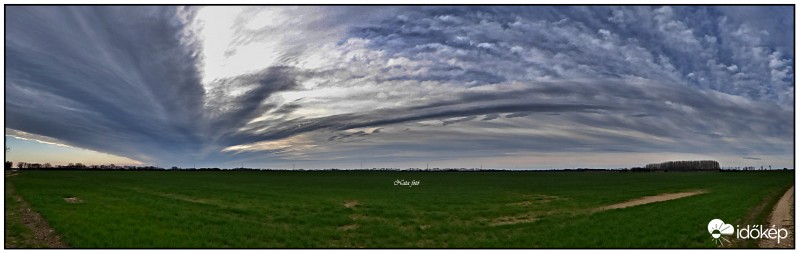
(428, 166)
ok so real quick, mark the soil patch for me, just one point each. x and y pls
(348, 227)
(534, 199)
(651, 199)
(179, 197)
(510, 220)
(43, 234)
(782, 217)
(351, 203)
(188, 199)
(73, 200)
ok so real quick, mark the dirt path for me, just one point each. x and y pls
(782, 217)
(535, 216)
(651, 199)
(42, 235)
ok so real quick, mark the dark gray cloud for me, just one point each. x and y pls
(393, 116)
(344, 136)
(463, 119)
(517, 114)
(232, 114)
(113, 79)
(492, 117)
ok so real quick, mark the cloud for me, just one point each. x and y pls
(517, 114)
(490, 117)
(347, 135)
(462, 119)
(134, 87)
(41, 139)
(271, 84)
(395, 116)
(611, 130)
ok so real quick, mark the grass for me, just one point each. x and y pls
(448, 209)
(16, 233)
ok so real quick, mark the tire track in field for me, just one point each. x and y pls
(651, 199)
(181, 197)
(531, 217)
(345, 231)
(43, 234)
(351, 204)
(229, 208)
(188, 199)
(782, 217)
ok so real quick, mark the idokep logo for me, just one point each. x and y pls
(717, 228)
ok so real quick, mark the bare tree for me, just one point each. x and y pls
(685, 165)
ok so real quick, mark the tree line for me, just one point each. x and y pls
(78, 166)
(685, 165)
(702, 165)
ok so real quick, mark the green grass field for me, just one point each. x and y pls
(366, 209)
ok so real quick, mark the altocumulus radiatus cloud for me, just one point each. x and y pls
(403, 85)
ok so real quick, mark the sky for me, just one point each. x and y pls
(528, 87)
